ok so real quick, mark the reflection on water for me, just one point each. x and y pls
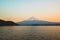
(30, 33)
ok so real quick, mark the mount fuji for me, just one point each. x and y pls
(34, 21)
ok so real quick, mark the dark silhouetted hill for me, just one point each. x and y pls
(7, 23)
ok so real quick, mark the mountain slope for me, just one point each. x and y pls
(33, 22)
(7, 23)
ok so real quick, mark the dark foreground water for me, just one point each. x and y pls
(30, 33)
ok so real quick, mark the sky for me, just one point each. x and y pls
(17, 10)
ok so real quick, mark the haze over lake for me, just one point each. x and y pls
(30, 33)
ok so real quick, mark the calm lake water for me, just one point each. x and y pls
(30, 33)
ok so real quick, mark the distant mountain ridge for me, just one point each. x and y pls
(29, 22)
(34, 21)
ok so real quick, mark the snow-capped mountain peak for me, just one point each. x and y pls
(32, 20)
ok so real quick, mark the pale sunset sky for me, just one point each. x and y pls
(17, 10)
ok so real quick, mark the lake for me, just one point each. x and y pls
(30, 33)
